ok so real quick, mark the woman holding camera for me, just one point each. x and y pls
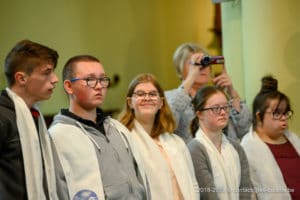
(193, 77)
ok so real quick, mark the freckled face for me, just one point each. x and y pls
(83, 95)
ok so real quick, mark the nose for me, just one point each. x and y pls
(54, 78)
(98, 84)
(224, 110)
(284, 117)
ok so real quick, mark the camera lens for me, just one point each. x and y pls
(206, 60)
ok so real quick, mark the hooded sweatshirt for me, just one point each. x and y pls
(94, 159)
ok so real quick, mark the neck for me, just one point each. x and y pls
(83, 113)
(26, 98)
(276, 139)
(215, 137)
(146, 124)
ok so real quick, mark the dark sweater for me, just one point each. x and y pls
(12, 174)
(204, 173)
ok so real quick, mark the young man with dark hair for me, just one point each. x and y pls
(26, 163)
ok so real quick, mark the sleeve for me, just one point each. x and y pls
(178, 101)
(240, 121)
(203, 171)
(61, 184)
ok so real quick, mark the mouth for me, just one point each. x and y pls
(284, 126)
(99, 95)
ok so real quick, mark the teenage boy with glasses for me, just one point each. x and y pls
(92, 150)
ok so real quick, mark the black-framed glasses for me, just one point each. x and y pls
(92, 81)
(278, 115)
(217, 109)
(154, 95)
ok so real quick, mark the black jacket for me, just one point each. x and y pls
(12, 174)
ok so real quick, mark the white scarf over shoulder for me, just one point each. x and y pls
(81, 176)
(226, 166)
(36, 149)
(156, 167)
(265, 173)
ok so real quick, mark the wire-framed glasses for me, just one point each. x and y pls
(92, 81)
(278, 115)
(154, 95)
(217, 109)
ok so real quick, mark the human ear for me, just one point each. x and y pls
(129, 102)
(199, 114)
(161, 103)
(68, 86)
(257, 115)
(20, 78)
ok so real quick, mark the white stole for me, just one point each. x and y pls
(156, 167)
(31, 148)
(265, 173)
(77, 155)
(226, 166)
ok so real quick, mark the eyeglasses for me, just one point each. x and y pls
(154, 95)
(92, 82)
(217, 109)
(277, 115)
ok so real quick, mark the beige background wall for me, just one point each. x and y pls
(264, 38)
(133, 36)
(128, 36)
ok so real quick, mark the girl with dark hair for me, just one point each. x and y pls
(273, 151)
(220, 163)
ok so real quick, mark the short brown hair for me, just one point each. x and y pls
(69, 67)
(26, 56)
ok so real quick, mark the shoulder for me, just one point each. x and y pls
(172, 137)
(7, 108)
(171, 92)
(174, 141)
(63, 130)
(294, 139)
(7, 116)
(292, 135)
(235, 144)
(249, 142)
(196, 148)
(238, 148)
(177, 93)
(118, 125)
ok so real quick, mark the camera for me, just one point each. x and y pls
(208, 60)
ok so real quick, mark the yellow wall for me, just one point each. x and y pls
(263, 37)
(128, 36)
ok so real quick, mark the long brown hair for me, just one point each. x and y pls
(164, 120)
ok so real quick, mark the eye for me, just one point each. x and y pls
(140, 93)
(153, 94)
(90, 79)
